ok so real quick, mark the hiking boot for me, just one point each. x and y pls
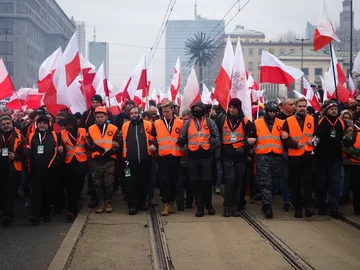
(287, 207)
(298, 213)
(165, 211)
(199, 212)
(101, 208)
(34, 219)
(309, 212)
(211, 211)
(172, 209)
(108, 208)
(267, 210)
(235, 212)
(132, 211)
(227, 211)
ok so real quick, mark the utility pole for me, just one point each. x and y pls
(351, 37)
(302, 60)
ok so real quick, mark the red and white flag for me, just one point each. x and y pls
(6, 86)
(325, 32)
(191, 92)
(175, 82)
(46, 70)
(257, 96)
(325, 96)
(272, 70)
(206, 95)
(353, 91)
(17, 100)
(251, 82)
(100, 83)
(339, 75)
(114, 106)
(310, 95)
(33, 100)
(138, 80)
(223, 80)
(356, 67)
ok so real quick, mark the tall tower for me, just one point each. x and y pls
(195, 11)
(345, 17)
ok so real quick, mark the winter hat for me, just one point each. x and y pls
(43, 118)
(236, 103)
(98, 98)
(77, 115)
(331, 105)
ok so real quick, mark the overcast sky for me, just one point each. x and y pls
(136, 23)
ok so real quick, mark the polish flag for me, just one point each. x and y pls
(138, 99)
(175, 82)
(310, 95)
(46, 71)
(356, 67)
(77, 101)
(6, 86)
(162, 96)
(178, 99)
(272, 70)
(99, 84)
(86, 66)
(353, 91)
(325, 96)
(114, 106)
(339, 75)
(138, 80)
(325, 32)
(257, 96)
(191, 92)
(252, 84)
(343, 93)
(239, 81)
(33, 100)
(223, 80)
(206, 95)
(17, 100)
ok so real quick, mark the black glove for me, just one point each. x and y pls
(239, 150)
(100, 149)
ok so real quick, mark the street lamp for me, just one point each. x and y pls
(351, 37)
(302, 60)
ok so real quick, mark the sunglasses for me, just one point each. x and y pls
(272, 111)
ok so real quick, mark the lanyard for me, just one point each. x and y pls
(333, 125)
(103, 131)
(6, 141)
(233, 126)
(41, 139)
(200, 125)
(73, 136)
(168, 125)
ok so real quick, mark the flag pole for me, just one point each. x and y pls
(333, 69)
(21, 106)
(83, 87)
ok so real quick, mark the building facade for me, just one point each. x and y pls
(177, 32)
(31, 30)
(81, 35)
(98, 54)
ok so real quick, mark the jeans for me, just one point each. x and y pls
(219, 172)
(284, 179)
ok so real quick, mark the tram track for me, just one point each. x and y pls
(288, 254)
(159, 249)
(350, 221)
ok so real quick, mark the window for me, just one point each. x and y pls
(292, 51)
(260, 51)
(2, 47)
(251, 51)
(251, 66)
(281, 52)
(271, 51)
(318, 71)
(10, 48)
(2, 7)
(306, 71)
(10, 68)
(9, 8)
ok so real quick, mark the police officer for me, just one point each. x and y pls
(103, 141)
(268, 150)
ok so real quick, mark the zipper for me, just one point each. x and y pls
(137, 142)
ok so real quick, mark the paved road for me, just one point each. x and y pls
(24, 246)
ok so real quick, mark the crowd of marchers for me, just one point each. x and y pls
(311, 158)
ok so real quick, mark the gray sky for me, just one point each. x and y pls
(136, 22)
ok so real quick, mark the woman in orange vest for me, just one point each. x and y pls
(13, 151)
(75, 167)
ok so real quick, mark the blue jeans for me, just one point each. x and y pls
(219, 173)
(284, 180)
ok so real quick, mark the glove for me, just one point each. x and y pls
(100, 149)
(239, 150)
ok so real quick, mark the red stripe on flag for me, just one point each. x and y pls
(270, 74)
(72, 69)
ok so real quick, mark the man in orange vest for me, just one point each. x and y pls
(200, 134)
(137, 148)
(13, 151)
(167, 131)
(103, 141)
(75, 167)
(237, 137)
(268, 151)
(299, 131)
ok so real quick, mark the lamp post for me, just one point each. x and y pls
(351, 37)
(302, 60)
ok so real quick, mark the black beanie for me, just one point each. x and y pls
(98, 98)
(43, 118)
(236, 103)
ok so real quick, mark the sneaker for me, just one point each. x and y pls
(199, 212)
(309, 212)
(235, 212)
(35, 220)
(28, 203)
(6, 221)
(298, 213)
(287, 207)
(218, 191)
(211, 211)
(227, 212)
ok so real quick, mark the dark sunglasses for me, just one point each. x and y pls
(272, 111)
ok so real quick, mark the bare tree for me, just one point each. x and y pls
(289, 36)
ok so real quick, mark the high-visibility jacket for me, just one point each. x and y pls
(103, 141)
(149, 137)
(339, 119)
(167, 142)
(356, 144)
(268, 142)
(56, 146)
(78, 150)
(17, 143)
(298, 135)
(198, 138)
(239, 133)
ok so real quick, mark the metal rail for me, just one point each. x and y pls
(350, 221)
(289, 255)
(161, 255)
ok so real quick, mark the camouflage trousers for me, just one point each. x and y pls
(104, 179)
(268, 172)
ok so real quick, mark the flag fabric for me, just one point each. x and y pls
(257, 96)
(272, 70)
(191, 92)
(138, 80)
(356, 66)
(6, 86)
(310, 95)
(339, 75)
(239, 81)
(252, 84)
(71, 60)
(33, 100)
(46, 71)
(206, 95)
(113, 106)
(325, 96)
(17, 100)
(175, 82)
(223, 80)
(353, 91)
(324, 32)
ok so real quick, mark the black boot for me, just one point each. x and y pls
(309, 212)
(235, 212)
(334, 213)
(211, 211)
(200, 211)
(227, 211)
(93, 203)
(298, 213)
(267, 209)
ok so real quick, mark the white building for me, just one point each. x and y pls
(99, 53)
(81, 34)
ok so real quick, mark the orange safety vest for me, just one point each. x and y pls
(168, 141)
(78, 150)
(149, 137)
(297, 135)
(56, 146)
(17, 143)
(198, 138)
(239, 139)
(356, 145)
(104, 142)
(267, 141)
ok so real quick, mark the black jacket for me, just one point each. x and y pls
(39, 162)
(89, 120)
(121, 119)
